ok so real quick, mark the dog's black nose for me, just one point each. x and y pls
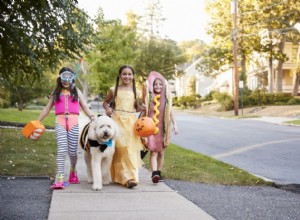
(105, 134)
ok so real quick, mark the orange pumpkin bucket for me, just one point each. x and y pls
(144, 127)
(33, 130)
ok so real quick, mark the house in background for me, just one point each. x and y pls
(223, 80)
(191, 82)
(194, 82)
(257, 77)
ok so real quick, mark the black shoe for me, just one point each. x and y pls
(155, 177)
(161, 178)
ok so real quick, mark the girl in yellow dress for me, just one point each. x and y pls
(125, 105)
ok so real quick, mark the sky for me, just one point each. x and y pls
(185, 19)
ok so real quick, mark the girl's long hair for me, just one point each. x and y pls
(136, 102)
(57, 91)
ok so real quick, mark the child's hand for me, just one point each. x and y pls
(144, 140)
(109, 112)
(175, 129)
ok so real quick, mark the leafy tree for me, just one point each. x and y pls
(36, 36)
(213, 59)
(152, 20)
(158, 55)
(221, 29)
(277, 16)
(154, 52)
(22, 89)
(219, 53)
(116, 47)
(193, 49)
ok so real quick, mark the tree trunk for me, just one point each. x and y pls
(297, 74)
(279, 68)
(270, 77)
(20, 99)
(296, 84)
(20, 105)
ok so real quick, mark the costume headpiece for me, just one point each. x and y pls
(165, 101)
(67, 76)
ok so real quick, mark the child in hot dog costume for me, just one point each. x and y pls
(158, 105)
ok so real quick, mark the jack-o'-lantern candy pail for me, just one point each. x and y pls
(144, 127)
(33, 130)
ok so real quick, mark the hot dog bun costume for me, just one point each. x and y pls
(158, 107)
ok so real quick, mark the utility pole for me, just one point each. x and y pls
(234, 8)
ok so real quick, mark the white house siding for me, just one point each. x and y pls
(223, 82)
(203, 83)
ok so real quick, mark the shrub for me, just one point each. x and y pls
(260, 97)
(225, 100)
(34, 107)
(192, 101)
(40, 101)
(4, 103)
(293, 101)
(208, 97)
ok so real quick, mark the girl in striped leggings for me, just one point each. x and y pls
(66, 99)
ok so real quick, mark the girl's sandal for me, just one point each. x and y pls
(58, 185)
(130, 184)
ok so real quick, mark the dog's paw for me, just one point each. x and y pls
(105, 183)
(97, 187)
(90, 179)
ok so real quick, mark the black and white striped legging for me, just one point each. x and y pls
(67, 141)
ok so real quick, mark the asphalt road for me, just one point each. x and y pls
(24, 198)
(246, 202)
(261, 148)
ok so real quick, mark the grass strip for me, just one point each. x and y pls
(183, 164)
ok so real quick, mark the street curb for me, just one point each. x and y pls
(293, 187)
(26, 177)
(19, 125)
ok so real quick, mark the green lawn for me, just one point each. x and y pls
(14, 115)
(293, 122)
(20, 156)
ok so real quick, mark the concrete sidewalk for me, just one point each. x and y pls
(147, 201)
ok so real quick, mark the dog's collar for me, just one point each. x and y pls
(108, 143)
(102, 147)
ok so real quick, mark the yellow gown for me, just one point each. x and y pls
(127, 159)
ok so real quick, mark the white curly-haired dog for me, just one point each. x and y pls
(98, 140)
